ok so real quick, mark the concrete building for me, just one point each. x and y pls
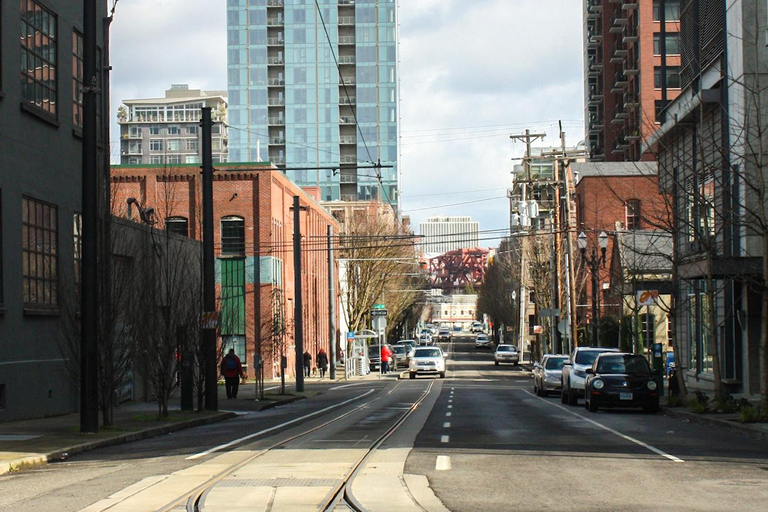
(41, 119)
(313, 89)
(442, 234)
(710, 156)
(631, 72)
(166, 131)
(457, 310)
(253, 210)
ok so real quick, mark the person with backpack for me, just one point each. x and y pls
(307, 363)
(322, 362)
(232, 370)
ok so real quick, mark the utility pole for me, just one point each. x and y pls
(210, 366)
(528, 138)
(331, 305)
(298, 320)
(89, 368)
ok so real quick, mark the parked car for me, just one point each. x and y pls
(374, 356)
(411, 344)
(401, 355)
(547, 375)
(477, 327)
(621, 380)
(444, 334)
(482, 341)
(427, 361)
(575, 372)
(506, 354)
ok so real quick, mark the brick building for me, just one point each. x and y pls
(253, 229)
(611, 195)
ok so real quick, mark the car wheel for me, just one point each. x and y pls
(572, 398)
(496, 363)
(563, 396)
(592, 406)
(412, 375)
(442, 375)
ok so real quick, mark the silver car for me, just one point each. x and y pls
(547, 374)
(506, 354)
(427, 360)
(482, 341)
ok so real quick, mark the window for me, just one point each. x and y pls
(670, 340)
(671, 44)
(216, 128)
(232, 236)
(174, 129)
(174, 159)
(77, 79)
(177, 225)
(192, 130)
(672, 77)
(38, 253)
(38, 56)
(233, 298)
(155, 145)
(633, 214)
(531, 324)
(191, 144)
(174, 144)
(671, 10)
(134, 160)
(154, 129)
(156, 159)
(647, 324)
(192, 159)
(659, 106)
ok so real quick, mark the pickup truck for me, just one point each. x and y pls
(574, 372)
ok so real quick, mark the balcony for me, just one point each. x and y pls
(277, 160)
(618, 21)
(274, 3)
(347, 100)
(594, 9)
(595, 66)
(346, 40)
(276, 121)
(596, 124)
(633, 136)
(346, 2)
(620, 81)
(629, 35)
(346, 21)
(275, 22)
(619, 116)
(630, 67)
(348, 159)
(631, 100)
(346, 120)
(347, 178)
(619, 52)
(347, 139)
(275, 41)
(129, 135)
(629, 5)
(347, 80)
(276, 102)
(276, 82)
(277, 141)
(275, 61)
(347, 59)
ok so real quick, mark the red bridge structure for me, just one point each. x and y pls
(454, 270)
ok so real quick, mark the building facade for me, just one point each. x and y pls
(443, 234)
(161, 131)
(41, 121)
(631, 72)
(313, 89)
(253, 237)
(709, 150)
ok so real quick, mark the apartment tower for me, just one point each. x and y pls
(313, 89)
(443, 234)
(631, 72)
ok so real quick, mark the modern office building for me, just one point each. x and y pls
(41, 144)
(443, 234)
(631, 72)
(161, 131)
(313, 89)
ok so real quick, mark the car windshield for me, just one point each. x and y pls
(506, 348)
(554, 363)
(374, 351)
(629, 364)
(482, 337)
(587, 357)
(427, 352)
(399, 349)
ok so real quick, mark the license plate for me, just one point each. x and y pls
(625, 396)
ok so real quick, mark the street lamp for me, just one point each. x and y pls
(594, 263)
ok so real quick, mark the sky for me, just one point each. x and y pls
(471, 74)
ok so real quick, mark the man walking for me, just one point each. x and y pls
(232, 370)
(307, 363)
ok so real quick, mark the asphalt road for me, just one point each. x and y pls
(483, 441)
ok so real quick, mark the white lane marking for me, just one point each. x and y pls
(443, 463)
(450, 407)
(347, 386)
(612, 431)
(447, 424)
(444, 439)
(262, 432)
(448, 415)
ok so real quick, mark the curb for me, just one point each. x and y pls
(277, 403)
(44, 458)
(734, 426)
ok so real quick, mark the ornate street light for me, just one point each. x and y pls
(594, 262)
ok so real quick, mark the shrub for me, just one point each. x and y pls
(674, 401)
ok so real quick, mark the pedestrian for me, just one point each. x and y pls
(232, 370)
(307, 363)
(386, 358)
(322, 362)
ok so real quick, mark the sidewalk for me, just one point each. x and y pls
(27, 443)
(724, 421)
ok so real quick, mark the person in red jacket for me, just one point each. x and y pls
(386, 358)
(232, 370)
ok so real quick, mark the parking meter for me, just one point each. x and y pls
(657, 363)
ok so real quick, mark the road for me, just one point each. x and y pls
(478, 440)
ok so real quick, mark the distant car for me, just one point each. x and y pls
(482, 341)
(401, 355)
(374, 357)
(506, 354)
(425, 339)
(477, 327)
(548, 373)
(456, 328)
(621, 380)
(444, 334)
(411, 344)
(427, 361)
(575, 372)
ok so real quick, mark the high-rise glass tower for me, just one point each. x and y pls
(313, 89)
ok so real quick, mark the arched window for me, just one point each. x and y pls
(177, 225)
(633, 214)
(232, 236)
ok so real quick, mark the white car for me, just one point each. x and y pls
(427, 361)
(574, 372)
(482, 341)
(506, 354)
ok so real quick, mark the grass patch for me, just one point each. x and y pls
(674, 401)
(752, 414)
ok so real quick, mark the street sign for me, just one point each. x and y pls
(379, 312)
(647, 297)
(538, 329)
(379, 306)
